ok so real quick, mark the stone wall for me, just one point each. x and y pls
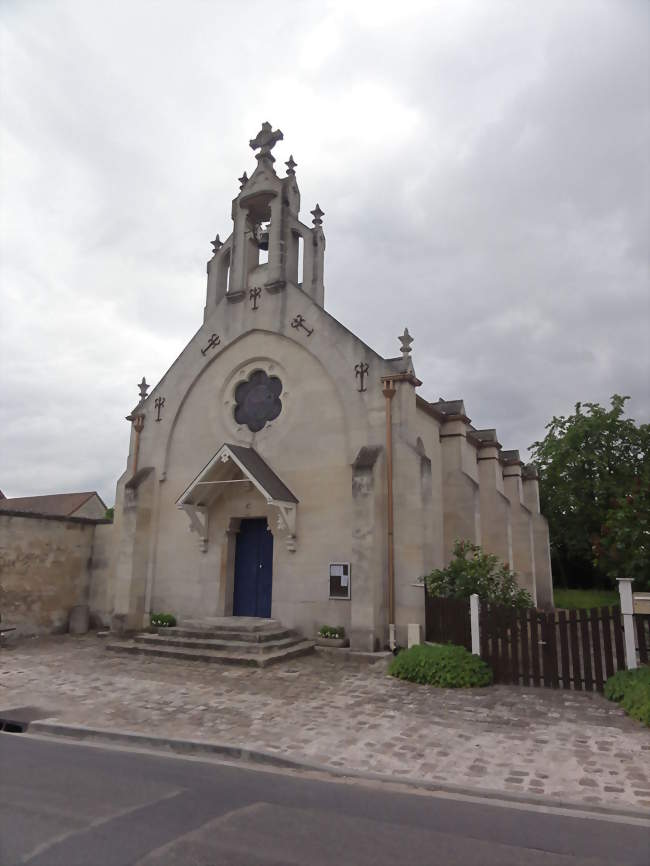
(45, 569)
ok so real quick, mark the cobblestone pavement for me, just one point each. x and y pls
(347, 714)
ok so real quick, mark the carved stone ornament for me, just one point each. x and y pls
(299, 322)
(214, 340)
(266, 139)
(258, 400)
(406, 339)
(361, 372)
(291, 165)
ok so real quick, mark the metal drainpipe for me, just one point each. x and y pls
(389, 393)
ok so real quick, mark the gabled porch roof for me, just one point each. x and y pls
(228, 463)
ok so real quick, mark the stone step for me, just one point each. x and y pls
(231, 623)
(257, 636)
(221, 657)
(220, 643)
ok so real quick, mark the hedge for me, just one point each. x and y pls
(446, 666)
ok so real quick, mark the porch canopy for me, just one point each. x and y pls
(232, 465)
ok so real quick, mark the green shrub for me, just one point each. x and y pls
(446, 666)
(631, 689)
(162, 620)
(472, 570)
(334, 631)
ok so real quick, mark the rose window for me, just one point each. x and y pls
(258, 400)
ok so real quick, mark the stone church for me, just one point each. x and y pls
(282, 468)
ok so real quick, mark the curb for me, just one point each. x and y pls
(254, 756)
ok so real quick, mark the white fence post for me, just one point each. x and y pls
(627, 609)
(414, 634)
(473, 618)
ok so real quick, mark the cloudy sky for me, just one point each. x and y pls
(483, 168)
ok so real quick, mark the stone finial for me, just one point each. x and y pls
(291, 165)
(318, 215)
(143, 388)
(217, 243)
(266, 139)
(406, 339)
(243, 180)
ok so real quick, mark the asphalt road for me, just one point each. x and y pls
(65, 804)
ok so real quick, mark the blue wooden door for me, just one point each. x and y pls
(253, 569)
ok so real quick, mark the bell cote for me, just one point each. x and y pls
(269, 246)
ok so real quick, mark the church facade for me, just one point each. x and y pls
(282, 468)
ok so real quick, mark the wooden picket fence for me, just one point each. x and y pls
(569, 649)
(447, 620)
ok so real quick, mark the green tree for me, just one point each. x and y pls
(587, 462)
(473, 570)
(623, 546)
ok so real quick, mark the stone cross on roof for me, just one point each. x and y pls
(406, 339)
(266, 139)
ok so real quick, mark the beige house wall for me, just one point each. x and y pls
(541, 543)
(496, 528)
(428, 431)
(368, 626)
(460, 488)
(522, 530)
(414, 511)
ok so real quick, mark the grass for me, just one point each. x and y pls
(585, 598)
(632, 690)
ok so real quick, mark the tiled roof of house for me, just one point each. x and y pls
(62, 504)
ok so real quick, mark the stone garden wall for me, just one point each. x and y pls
(46, 568)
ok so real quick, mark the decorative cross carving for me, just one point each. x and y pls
(254, 294)
(360, 372)
(318, 215)
(212, 342)
(243, 180)
(291, 165)
(299, 322)
(406, 339)
(159, 402)
(143, 388)
(217, 243)
(266, 139)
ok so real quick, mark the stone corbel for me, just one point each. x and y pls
(198, 523)
(287, 520)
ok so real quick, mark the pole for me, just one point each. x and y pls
(389, 393)
(473, 618)
(627, 609)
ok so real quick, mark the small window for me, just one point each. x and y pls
(339, 580)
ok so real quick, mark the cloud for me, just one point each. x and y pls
(483, 169)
